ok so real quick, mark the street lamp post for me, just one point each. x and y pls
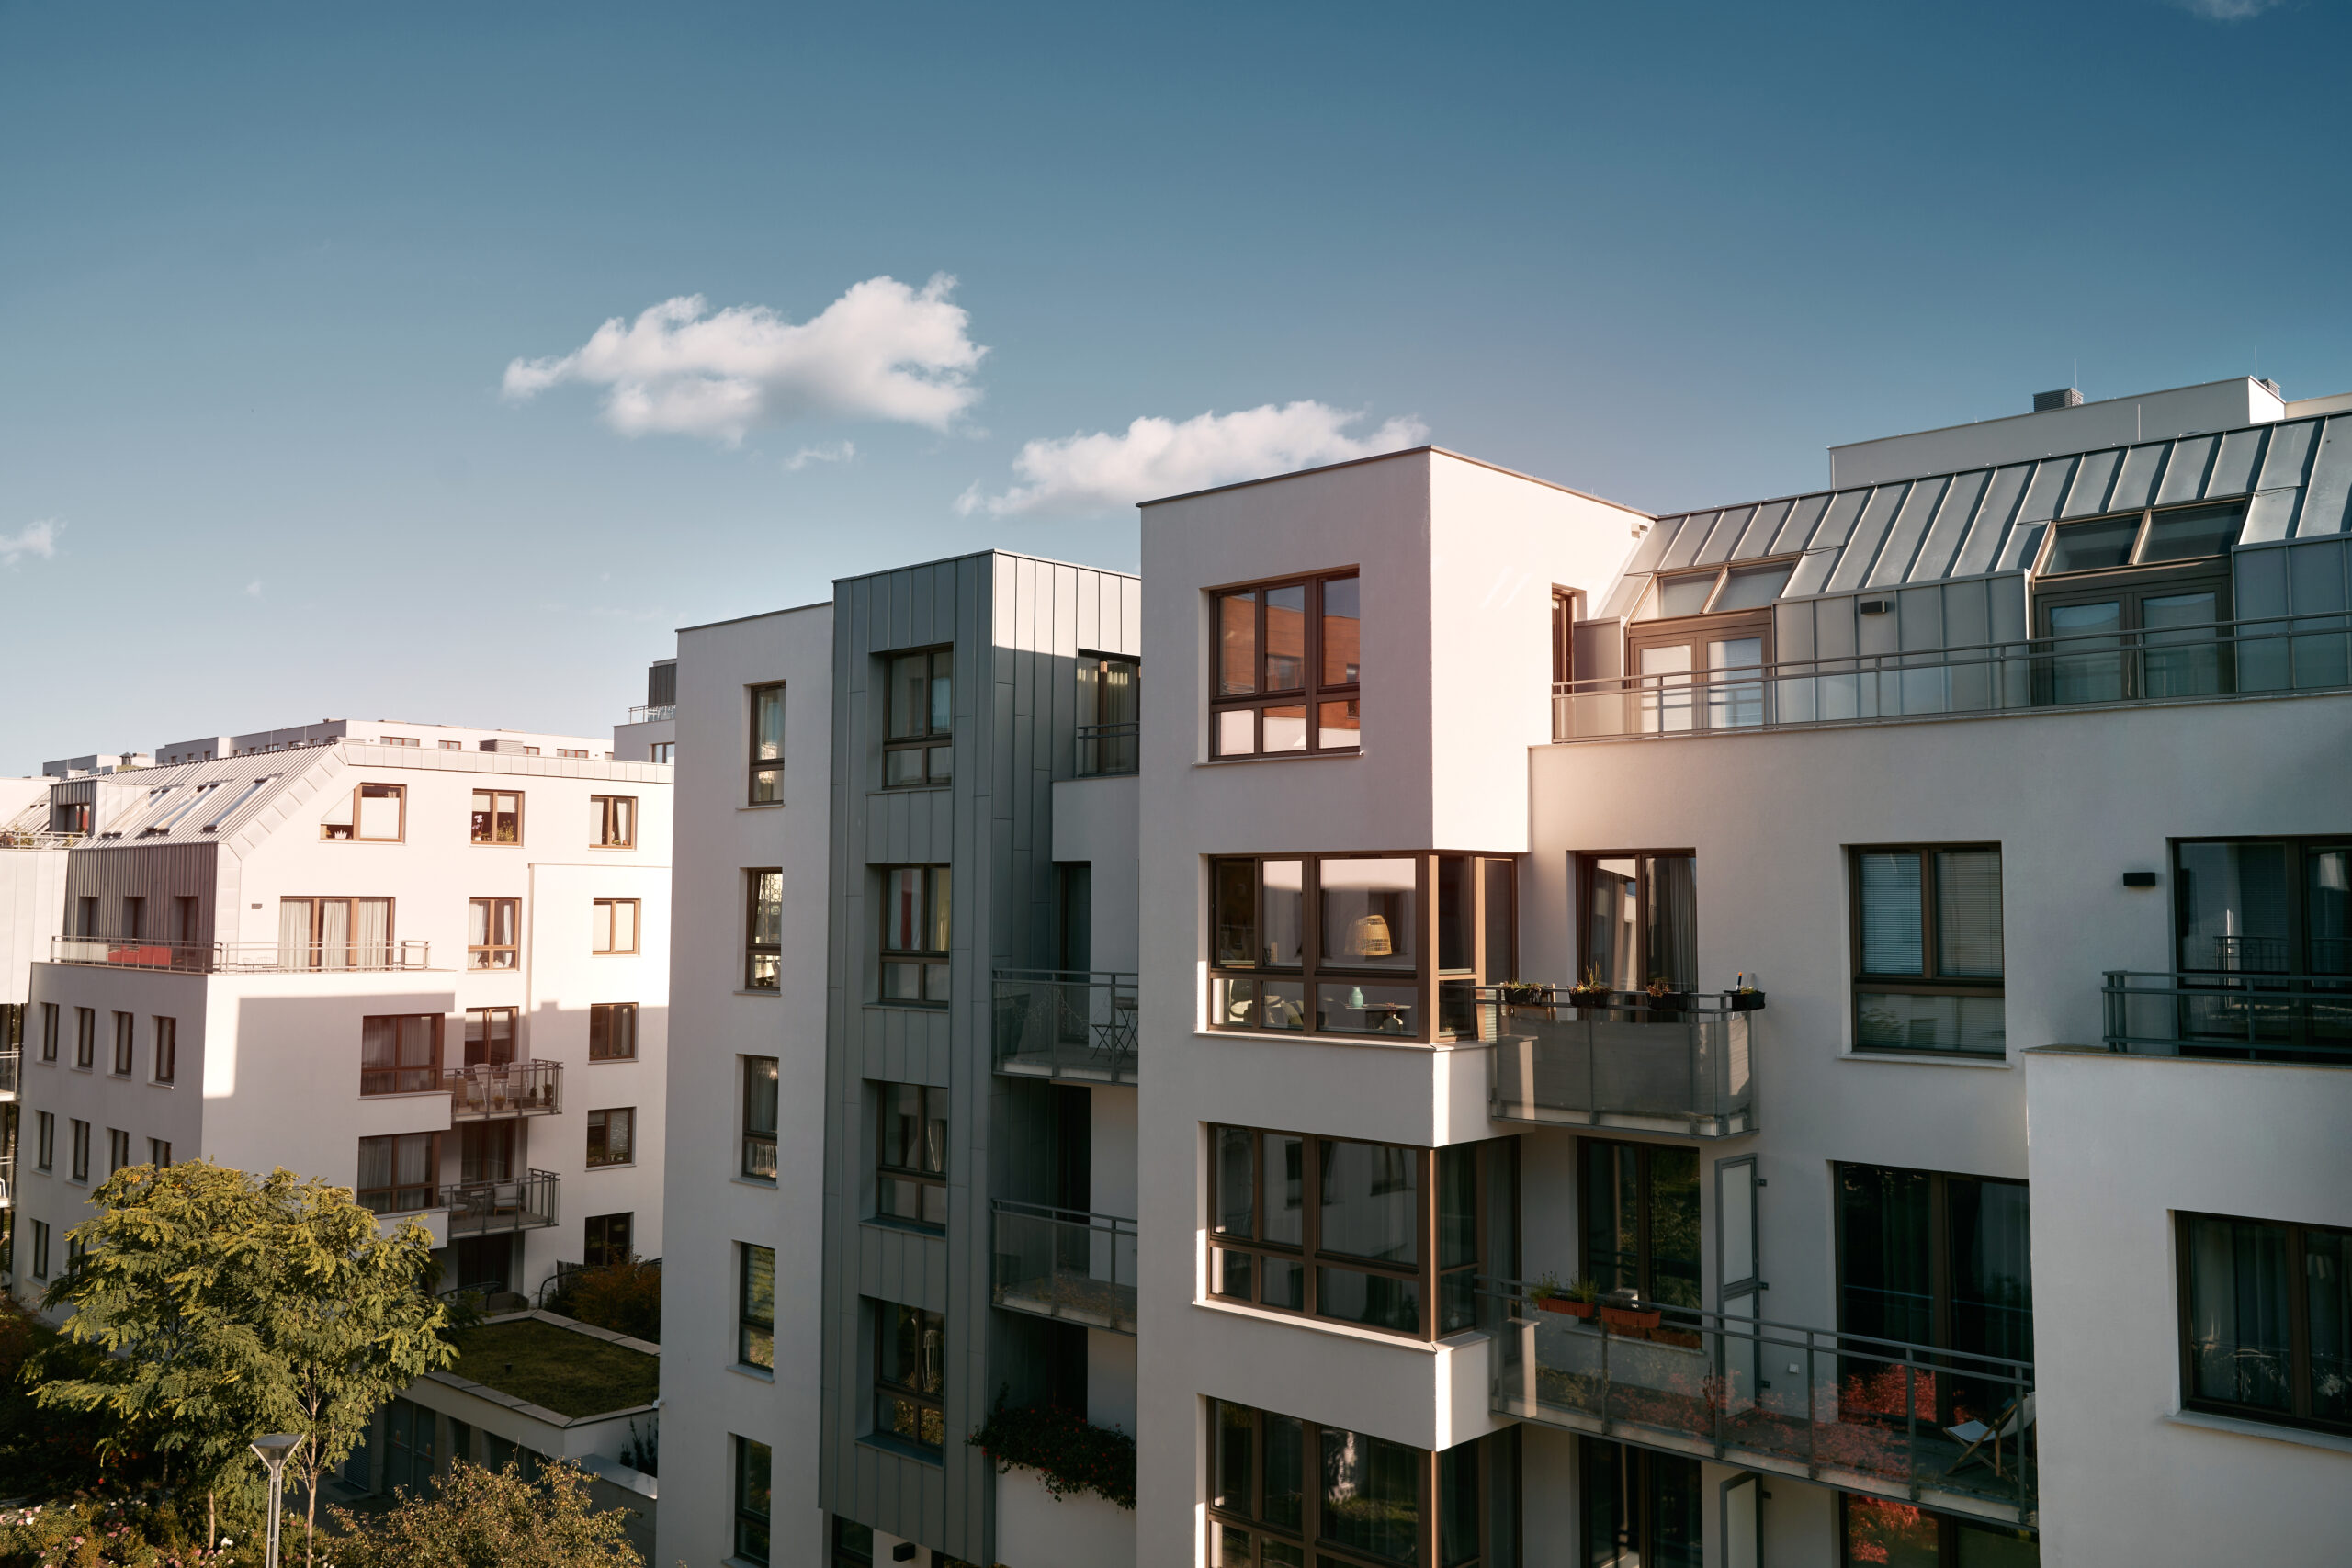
(274, 1449)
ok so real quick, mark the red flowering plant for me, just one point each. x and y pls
(1068, 1453)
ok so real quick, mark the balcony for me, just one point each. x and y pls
(240, 957)
(2254, 656)
(491, 1091)
(12, 1064)
(38, 839)
(1105, 749)
(1870, 1416)
(1058, 1263)
(2298, 1019)
(1627, 1060)
(492, 1208)
(1055, 1023)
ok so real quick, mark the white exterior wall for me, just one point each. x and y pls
(707, 1398)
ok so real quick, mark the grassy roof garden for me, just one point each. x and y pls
(571, 1374)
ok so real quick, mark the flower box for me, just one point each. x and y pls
(1568, 1304)
(1746, 1001)
(1632, 1322)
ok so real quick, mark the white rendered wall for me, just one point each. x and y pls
(708, 1397)
(1094, 821)
(2112, 422)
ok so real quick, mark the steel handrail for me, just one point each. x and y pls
(240, 957)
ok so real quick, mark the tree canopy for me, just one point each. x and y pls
(492, 1518)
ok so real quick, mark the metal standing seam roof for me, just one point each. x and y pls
(1982, 521)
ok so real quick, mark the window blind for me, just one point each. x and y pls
(1968, 913)
(1891, 914)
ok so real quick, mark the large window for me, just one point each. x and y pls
(2266, 1320)
(608, 1239)
(1286, 671)
(1280, 1486)
(612, 925)
(490, 1036)
(1109, 693)
(762, 929)
(919, 696)
(758, 1117)
(1334, 1228)
(1641, 1220)
(612, 821)
(2132, 604)
(497, 817)
(915, 905)
(492, 933)
(370, 813)
(397, 1174)
(755, 1306)
(335, 933)
(1699, 645)
(753, 1503)
(1641, 1509)
(2266, 926)
(612, 1032)
(1339, 944)
(767, 745)
(400, 1053)
(1638, 920)
(1929, 1258)
(612, 1137)
(911, 1164)
(1928, 950)
(1881, 1534)
(910, 1375)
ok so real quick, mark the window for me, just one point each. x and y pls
(616, 821)
(1567, 609)
(134, 918)
(853, 1544)
(612, 926)
(497, 817)
(159, 1154)
(49, 1032)
(763, 928)
(919, 696)
(758, 1117)
(400, 1053)
(126, 1027)
(1928, 950)
(185, 916)
(1109, 694)
(910, 1375)
(86, 1038)
(450, 745)
(767, 745)
(81, 1150)
(396, 1174)
(45, 1126)
(40, 1249)
(662, 751)
(2266, 1312)
(752, 1502)
(335, 933)
(915, 901)
(1279, 1485)
(491, 925)
(610, 1134)
(911, 1165)
(568, 751)
(118, 1149)
(1702, 638)
(1641, 1220)
(1638, 917)
(1878, 1532)
(2132, 604)
(1333, 1228)
(755, 1306)
(2263, 906)
(396, 740)
(612, 1032)
(607, 1240)
(85, 908)
(1639, 1507)
(167, 1049)
(371, 813)
(490, 1036)
(1284, 668)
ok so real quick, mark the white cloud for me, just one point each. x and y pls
(32, 539)
(881, 351)
(2228, 10)
(1081, 475)
(253, 589)
(838, 452)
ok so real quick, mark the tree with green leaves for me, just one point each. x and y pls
(492, 1518)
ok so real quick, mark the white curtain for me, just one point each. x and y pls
(371, 929)
(294, 950)
(335, 933)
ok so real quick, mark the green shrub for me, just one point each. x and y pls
(1070, 1452)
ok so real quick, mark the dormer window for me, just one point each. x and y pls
(2131, 605)
(1699, 645)
(1716, 590)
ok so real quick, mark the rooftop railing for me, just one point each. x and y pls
(38, 839)
(2303, 1018)
(653, 714)
(1058, 1023)
(489, 1090)
(1680, 1063)
(492, 1208)
(1878, 1417)
(2251, 656)
(1066, 1264)
(1107, 748)
(238, 957)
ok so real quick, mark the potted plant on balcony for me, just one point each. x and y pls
(1746, 997)
(1518, 994)
(1666, 1003)
(1573, 1299)
(1625, 1311)
(1591, 992)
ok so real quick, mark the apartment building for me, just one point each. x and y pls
(650, 733)
(433, 968)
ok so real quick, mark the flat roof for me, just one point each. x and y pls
(1401, 452)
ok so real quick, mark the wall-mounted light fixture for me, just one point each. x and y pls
(1877, 607)
(2139, 879)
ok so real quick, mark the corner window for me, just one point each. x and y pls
(400, 1053)
(920, 699)
(2266, 1321)
(910, 1376)
(612, 1032)
(1638, 920)
(492, 928)
(767, 745)
(915, 905)
(372, 813)
(1928, 950)
(497, 817)
(397, 1174)
(615, 821)
(1279, 1486)
(1285, 667)
(910, 1161)
(762, 929)
(753, 1500)
(612, 925)
(758, 1117)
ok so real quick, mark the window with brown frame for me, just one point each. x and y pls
(616, 819)
(400, 1053)
(612, 1137)
(86, 1038)
(569, 751)
(1697, 646)
(2265, 1320)
(167, 1048)
(397, 1174)
(910, 1376)
(335, 934)
(492, 933)
(497, 817)
(767, 744)
(2133, 604)
(1350, 945)
(126, 1041)
(49, 1032)
(762, 929)
(919, 702)
(1567, 609)
(1637, 919)
(612, 1032)
(910, 1156)
(372, 813)
(490, 1036)
(1927, 967)
(916, 904)
(1285, 667)
(612, 926)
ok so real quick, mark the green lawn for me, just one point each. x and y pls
(569, 1373)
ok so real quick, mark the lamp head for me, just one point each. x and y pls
(274, 1448)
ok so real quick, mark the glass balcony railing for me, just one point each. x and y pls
(2303, 1018)
(238, 957)
(1057, 1024)
(1624, 1059)
(492, 1089)
(1060, 1263)
(1943, 1429)
(490, 1207)
(11, 1062)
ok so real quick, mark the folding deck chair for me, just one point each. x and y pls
(2011, 1421)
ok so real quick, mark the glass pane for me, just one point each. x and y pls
(1896, 1021)
(941, 761)
(902, 1125)
(2085, 546)
(1674, 1226)
(2183, 658)
(1684, 595)
(1237, 732)
(934, 983)
(1613, 1237)
(1237, 620)
(1671, 933)
(1232, 1273)
(1346, 1007)
(943, 692)
(767, 724)
(909, 685)
(1235, 1182)
(759, 1095)
(1733, 703)
(1285, 639)
(1665, 688)
(2081, 669)
(1457, 1205)
(1882, 1253)
(1371, 1494)
(2234, 907)
(1284, 1283)
(940, 900)
(1612, 920)
(2192, 531)
(1233, 1550)
(1237, 1437)
(1285, 1481)
(1992, 1271)
(1454, 924)
(900, 767)
(902, 910)
(767, 907)
(1338, 725)
(1497, 962)
(1281, 1004)
(1234, 897)
(1285, 1174)
(1285, 930)
(1752, 587)
(2238, 1310)
(1990, 1546)
(1673, 1501)
(1968, 913)
(1370, 1200)
(902, 982)
(1368, 914)
(1287, 728)
(2329, 1306)
(1342, 633)
(1892, 926)
(2327, 911)
(1896, 1535)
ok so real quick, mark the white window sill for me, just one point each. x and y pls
(761, 806)
(769, 991)
(1928, 1059)
(2238, 1426)
(757, 1374)
(764, 1183)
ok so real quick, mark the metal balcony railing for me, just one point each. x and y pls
(1107, 748)
(759, 1156)
(38, 839)
(238, 957)
(12, 1064)
(2302, 1019)
(2255, 656)
(1058, 1023)
(1625, 1059)
(653, 714)
(490, 1207)
(1062, 1263)
(1873, 1417)
(492, 1089)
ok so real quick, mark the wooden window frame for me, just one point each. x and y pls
(910, 1175)
(126, 1045)
(81, 1134)
(484, 956)
(431, 1186)
(483, 826)
(754, 950)
(928, 960)
(1567, 609)
(118, 1149)
(1645, 1246)
(602, 1019)
(1306, 1539)
(1928, 982)
(1310, 695)
(753, 1137)
(352, 834)
(887, 1389)
(607, 807)
(664, 751)
(403, 1079)
(764, 782)
(573, 754)
(602, 914)
(315, 948)
(1588, 862)
(628, 1139)
(2297, 1277)
(628, 1228)
(929, 738)
(1695, 632)
(484, 1020)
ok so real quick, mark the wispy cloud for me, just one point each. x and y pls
(2228, 10)
(32, 539)
(1083, 475)
(838, 452)
(253, 589)
(882, 351)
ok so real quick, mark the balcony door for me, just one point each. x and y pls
(1641, 1509)
(486, 1151)
(1641, 1220)
(1700, 678)
(2247, 909)
(1638, 915)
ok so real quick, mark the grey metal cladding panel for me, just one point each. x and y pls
(1802, 518)
(906, 1267)
(2185, 469)
(1694, 532)
(1903, 539)
(2006, 598)
(1965, 615)
(1861, 549)
(1874, 634)
(1920, 611)
(2233, 469)
(1726, 533)
(2042, 497)
(2094, 476)
(1792, 631)
(2284, 464)
(2137, 481)
(2329, 488)
(1952, 515)
(1756, 541)
(1838, 520)
(1992, 524)
(1654, 544)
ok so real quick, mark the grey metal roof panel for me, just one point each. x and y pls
(1762, 529)
(2137, 481)
(2051, 477)
(2269, 516)
(2020, 548)
(2290, 445)
(1838, 523)
(1953, 514)
(1728, 527)
(2234, 470)
(2086, 497)
(2329, 488)
(1861, 545)
(2185, 469)
(1811, 575)
(2002, 496)
(1803, 517)
(1685, 549)
(1903, 539)
(1652, 547)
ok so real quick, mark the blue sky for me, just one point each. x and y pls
(263, 271)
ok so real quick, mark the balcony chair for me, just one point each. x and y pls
(2011, 1421)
